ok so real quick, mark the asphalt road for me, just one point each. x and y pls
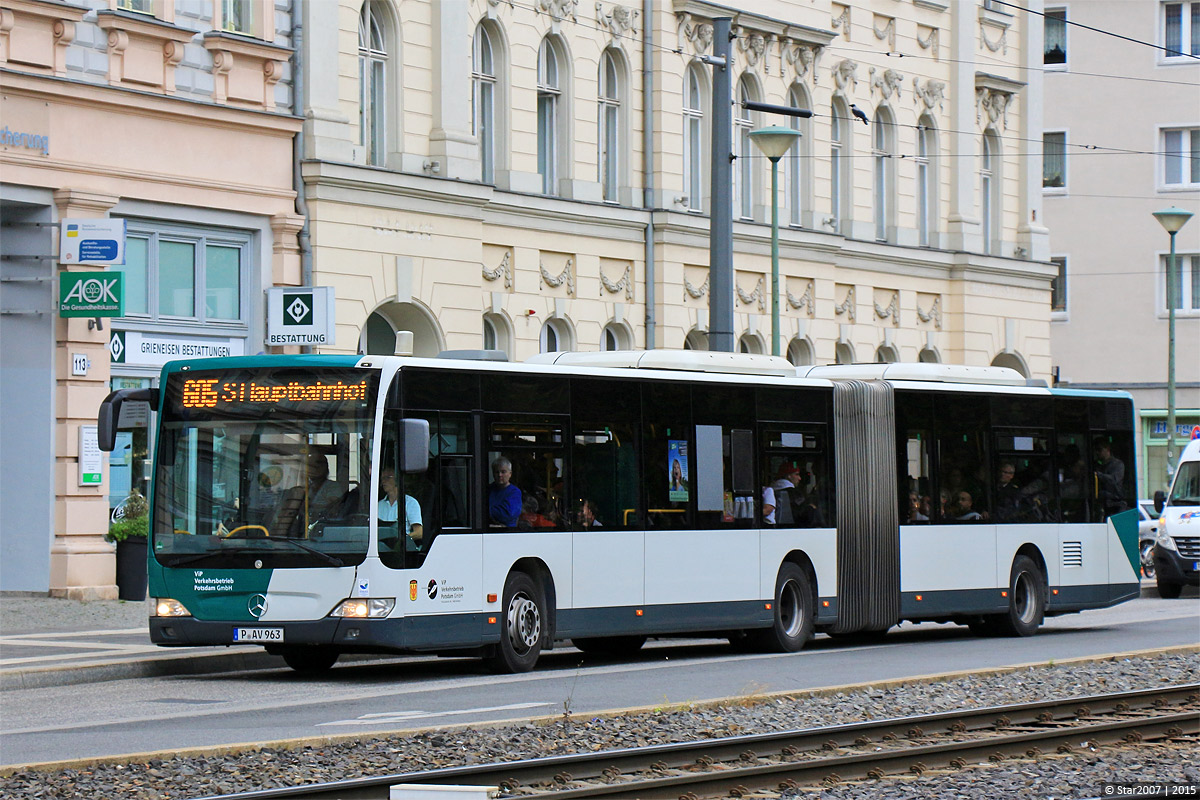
(154, 714)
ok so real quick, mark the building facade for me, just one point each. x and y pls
(484, 173)
(178, 121)
(1108, 166)
(536, 176)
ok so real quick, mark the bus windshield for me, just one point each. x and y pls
(264, 468)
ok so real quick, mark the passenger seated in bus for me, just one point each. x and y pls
(1008, 494)
(389, 506)
(587, 515)
(531, 517)
(1110, 479)
(962, 511)
(768, 501)
(504, 499)
(915, 510)
(787, 493)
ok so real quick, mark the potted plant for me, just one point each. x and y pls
(128, 529)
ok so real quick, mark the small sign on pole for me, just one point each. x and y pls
(92, 241)
(303, 316)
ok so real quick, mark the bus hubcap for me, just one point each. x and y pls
(524, 623)
(791, 614)
(1023, 596)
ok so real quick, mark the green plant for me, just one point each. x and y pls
(123, 528)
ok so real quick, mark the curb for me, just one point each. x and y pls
(152, 667)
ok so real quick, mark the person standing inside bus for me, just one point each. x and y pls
(504, 499)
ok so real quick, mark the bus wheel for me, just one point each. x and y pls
(1026, 600)
(310, 660)
(793, 623)
(521, 626)
(610, 645)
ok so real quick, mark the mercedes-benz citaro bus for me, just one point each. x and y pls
(317, 505)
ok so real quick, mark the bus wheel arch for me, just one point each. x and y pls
(793, 607)
(1027, 593)
(526, 625)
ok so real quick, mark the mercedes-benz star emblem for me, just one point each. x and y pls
(257, 605)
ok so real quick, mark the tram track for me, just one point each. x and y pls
(738, 766)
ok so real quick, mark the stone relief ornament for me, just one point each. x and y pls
(619, 21)
(893, 310)
(887, 82)
(554, 281)
(751, 45)
(885, 30)
(845, 75)
(502, 271)
(558, 9)
(994, 103)
(931, 93)
(934, 314)
(698, 34)
(805, 300)
(840, 21)
(694, 292)
(625, 283)
(1000, 45)
(929, 40)
(802, 57)
(846, 306)
(749, 298)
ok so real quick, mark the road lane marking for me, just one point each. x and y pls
(392, 717)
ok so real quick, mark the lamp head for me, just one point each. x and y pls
(774, 141)
(1171, 218)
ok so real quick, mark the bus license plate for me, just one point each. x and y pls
(258, 634)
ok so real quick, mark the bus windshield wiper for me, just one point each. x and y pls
(233, 551)
(332, 560)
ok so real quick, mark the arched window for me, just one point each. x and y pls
(886, 354)
(483, 101)
(800, 353)
(990, 190)
(1012, 361)
(616, 337)
(929, 356)
(372, 81)
(840, 149)
(609, 123)
(556, 336)
(797, 172)
(743, 173)
(843, 353)
(696, 340)
(693, 137)
(751, 343)
(550, 94)
(497, 333)
(927, 180)
(883, 151)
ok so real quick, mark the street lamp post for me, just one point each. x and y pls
(774, 142)
(1172, 219)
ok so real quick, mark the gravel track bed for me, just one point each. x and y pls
(1059, 777)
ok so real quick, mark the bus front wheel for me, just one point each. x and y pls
(522, 626)
(793, 611)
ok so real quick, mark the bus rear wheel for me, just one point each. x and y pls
(610, 645)
(522, 626)
(310, 660)
(1026, 600)
(793, 610)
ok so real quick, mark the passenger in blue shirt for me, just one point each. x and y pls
(504, 499)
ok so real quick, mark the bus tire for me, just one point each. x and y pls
(1168, 590)
(610, 645)
(522, 626)
(793, 611)
(310, 660)
(1026, 600)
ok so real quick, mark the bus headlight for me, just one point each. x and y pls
(363, 607)
(166, 607)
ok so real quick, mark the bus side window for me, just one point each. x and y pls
(531, 449)
(962, 458)
(604, 464)
(667, 460)
(914, 452)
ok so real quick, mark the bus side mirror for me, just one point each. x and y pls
(109, 415)
(415, 433)
(1160, 500)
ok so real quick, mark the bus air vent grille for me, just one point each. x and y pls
(1072, 554)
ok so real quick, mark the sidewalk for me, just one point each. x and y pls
(46, 641)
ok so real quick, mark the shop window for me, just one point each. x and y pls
(179, 273)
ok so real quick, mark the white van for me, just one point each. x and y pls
(1177, 546)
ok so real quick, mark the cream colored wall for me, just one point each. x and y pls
(988, 304)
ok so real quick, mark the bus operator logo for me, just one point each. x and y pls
(431, 590)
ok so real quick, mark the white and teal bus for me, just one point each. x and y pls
(319, 505)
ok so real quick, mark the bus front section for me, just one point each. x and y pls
(261, 506)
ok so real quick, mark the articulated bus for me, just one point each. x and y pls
(317, 505)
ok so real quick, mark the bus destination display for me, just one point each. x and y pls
(217, 393)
